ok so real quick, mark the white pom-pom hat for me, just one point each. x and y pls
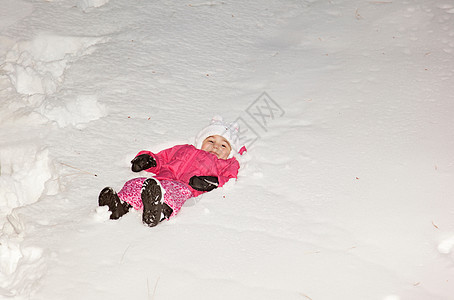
(229, 131)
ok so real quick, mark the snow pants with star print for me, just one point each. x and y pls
(175, 193)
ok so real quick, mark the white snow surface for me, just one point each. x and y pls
(346, 193)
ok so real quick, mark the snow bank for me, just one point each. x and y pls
(31, 70)
(78, 111)
(38, 66)
(20, 267)
(25, 172)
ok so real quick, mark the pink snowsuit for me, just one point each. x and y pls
(174, 167)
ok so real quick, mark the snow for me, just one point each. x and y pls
(344, 192)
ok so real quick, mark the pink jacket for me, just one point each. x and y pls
(184, 161)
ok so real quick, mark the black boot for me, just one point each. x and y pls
(116, 206)
(152, 202)
(166, 212)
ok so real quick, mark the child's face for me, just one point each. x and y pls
(217, 145)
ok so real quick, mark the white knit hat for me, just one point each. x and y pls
(229, 131)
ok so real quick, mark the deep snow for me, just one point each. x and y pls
(345, 192)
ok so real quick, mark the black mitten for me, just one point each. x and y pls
(142, 162)
(204, 183)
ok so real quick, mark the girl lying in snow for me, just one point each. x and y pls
(181, 172)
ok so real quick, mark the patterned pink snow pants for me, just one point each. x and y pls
(176, 193)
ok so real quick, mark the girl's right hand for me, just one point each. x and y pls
(142, 162)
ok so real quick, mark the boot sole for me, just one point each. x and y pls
(152, 204)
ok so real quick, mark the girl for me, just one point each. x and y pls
(181, 172)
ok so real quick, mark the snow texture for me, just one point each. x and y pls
(346, 108)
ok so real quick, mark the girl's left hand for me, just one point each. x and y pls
(204, 183)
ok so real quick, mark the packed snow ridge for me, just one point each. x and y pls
(35, 69)
(38, 66)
